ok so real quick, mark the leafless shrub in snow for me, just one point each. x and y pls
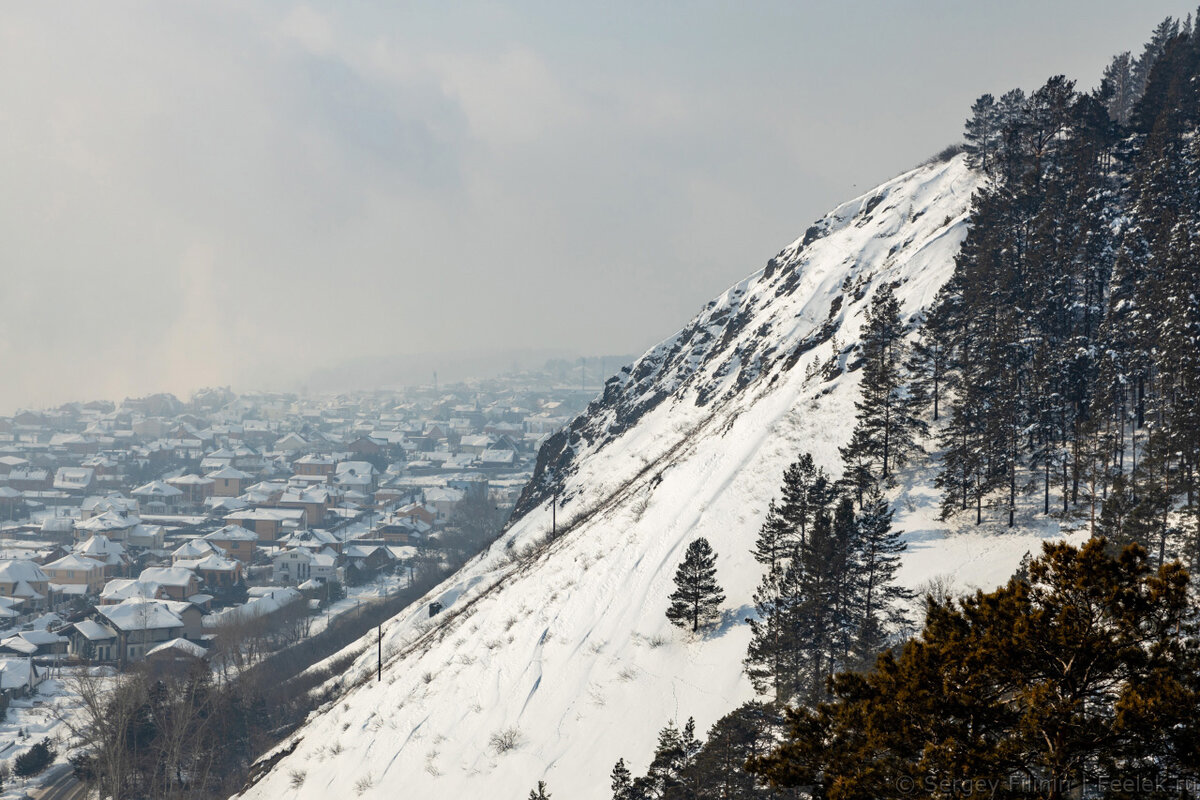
(939, 588)
(427, 677)
(296, 778)
(504, 740)
(656, 641)
(639, 508)
(364, 783)
(627, 674)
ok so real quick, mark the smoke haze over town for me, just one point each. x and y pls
(249, 193)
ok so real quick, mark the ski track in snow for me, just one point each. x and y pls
(574, 650)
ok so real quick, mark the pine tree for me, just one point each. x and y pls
(814, 611)
(622, 782)
(805, 489)
(982, 134)
(1119, 77)
(985, 690)
(771, 660)
(664, 776)
(697, 597)
(540, 792)
(888, 421)
(746, 733)
(774, 540)
(881, 601)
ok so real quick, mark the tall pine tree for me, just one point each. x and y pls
(697, 598)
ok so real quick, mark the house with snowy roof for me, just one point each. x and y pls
(25, 582)
(299, 564)
(179, 583)
(216, 572)
(193, 549)
(75, 480)
(96, 505)
(290, 443)
(118, 590)
(36, 643)
(19, 676)
(314, 464)
(313, 501)
(9, 463)
(360, 476)
(31, 479)
(75, 575)
(234, 541)
(127, 630)
(112, 524)
(110, 554)
(158, 497)
(268, 523)
(176, 655)
(443, 500)
(195, 488)
(228, 481)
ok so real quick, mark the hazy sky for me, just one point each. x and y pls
(201, 193)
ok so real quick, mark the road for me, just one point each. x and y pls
(59, 783)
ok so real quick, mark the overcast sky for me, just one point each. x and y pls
(204, 193)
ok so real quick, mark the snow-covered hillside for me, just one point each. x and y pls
(566, 648)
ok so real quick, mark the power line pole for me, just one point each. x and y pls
(379, 654)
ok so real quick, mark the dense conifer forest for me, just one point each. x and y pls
(1057, 373)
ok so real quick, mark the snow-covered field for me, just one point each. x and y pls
(569, 651)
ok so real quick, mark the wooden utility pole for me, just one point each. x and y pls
(379, 654)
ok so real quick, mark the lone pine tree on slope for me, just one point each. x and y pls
(697, 596)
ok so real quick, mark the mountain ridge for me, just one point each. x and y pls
(559, 646)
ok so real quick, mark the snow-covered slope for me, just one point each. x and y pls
(563, 643)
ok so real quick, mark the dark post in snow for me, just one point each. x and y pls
(379, 653)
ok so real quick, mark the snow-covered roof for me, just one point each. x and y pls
(232, 533)
(14, 570)
(211, 563)
(230, 473)
(73, 561)
(125, 588)
(179, 646)
(99, 545)
(191, 480)
(73, 478)
(16, 673)
(108, 521)
(19, 645)
(168, 576)
(193, 548)
(94, 631)
(157, 489)
(259, 605)
(42, 638)
(138, 615)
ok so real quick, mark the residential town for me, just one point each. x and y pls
(135, 531)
